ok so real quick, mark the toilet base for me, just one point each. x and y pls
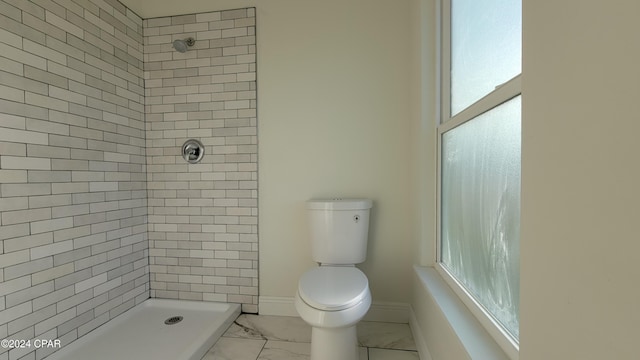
(334, 343)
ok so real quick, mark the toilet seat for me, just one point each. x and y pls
(333, 288)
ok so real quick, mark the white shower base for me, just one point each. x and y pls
(140, 333)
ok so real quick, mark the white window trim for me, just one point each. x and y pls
(500, 95)
(497, 333)
(469, 333)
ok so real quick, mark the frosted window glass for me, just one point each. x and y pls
(481, 210)
(485, 48)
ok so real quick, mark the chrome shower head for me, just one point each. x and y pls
(183, 45)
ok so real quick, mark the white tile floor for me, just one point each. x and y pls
(259, 337)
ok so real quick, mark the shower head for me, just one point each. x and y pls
(183, 45)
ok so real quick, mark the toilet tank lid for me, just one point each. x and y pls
(339, 204)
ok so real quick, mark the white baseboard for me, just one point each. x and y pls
(274, 305)
(418, 337)
(379, 311)
(388, 312)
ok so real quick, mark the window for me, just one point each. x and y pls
(479, 159)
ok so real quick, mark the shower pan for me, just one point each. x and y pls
(143, 334)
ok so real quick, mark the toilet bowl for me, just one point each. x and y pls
(334, 296)
(333, 299)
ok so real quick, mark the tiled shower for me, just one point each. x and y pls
(98, 210)
(203, 217)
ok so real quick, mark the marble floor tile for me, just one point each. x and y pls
(385, 335)
(386, 354)
(260, 337)
(284, 328)
(228, 348)
(285, 350)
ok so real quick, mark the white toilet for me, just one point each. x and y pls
(335, 296)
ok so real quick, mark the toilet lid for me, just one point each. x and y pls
(333, 288)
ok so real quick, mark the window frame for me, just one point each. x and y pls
(446, 122)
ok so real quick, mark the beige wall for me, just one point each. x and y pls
(423, 128)
(580, 184)
(333, 112)
(333, 120)
(580, 195)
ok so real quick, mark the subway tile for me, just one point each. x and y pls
(11, 94)
(63, 24)
(46, 102)
(27, 294)
(65, 95)
(69, 210)
(100, 117)
(13, 176)
(89, 240)
(29, 267)
(15, 312)
(42, 151)
(222, 24)
(62, 47)
(74, 324)
(49, 201)
(30, 163)
(10, 38)
(13, 203)
(14, 258)
(51, 249)
(195, 27)
(46, 127)
(27, 242)
(65, 71)
(14, 285)
(44, 52)
(234, 32)
(51, 225)
(234, 14)
(70, 164)
(209, 34)
(183, 19)
(51, 6)
(82, 154)
(37, 176)
(32, 318)
(90, 283)
(207, 17)
(22, 56)
(14, 135)
(24, 216)
(54, 321)
(37, 28)
(11, 66)
(11, 190)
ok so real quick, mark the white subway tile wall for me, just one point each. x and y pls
(203, 218)
(98, 210)
(73, 197)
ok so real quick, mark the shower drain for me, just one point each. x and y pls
(173, 320)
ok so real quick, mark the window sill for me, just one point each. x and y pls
(473, 337)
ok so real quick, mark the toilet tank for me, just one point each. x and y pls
(339, 230)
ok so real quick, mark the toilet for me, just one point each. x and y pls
(335, 296)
